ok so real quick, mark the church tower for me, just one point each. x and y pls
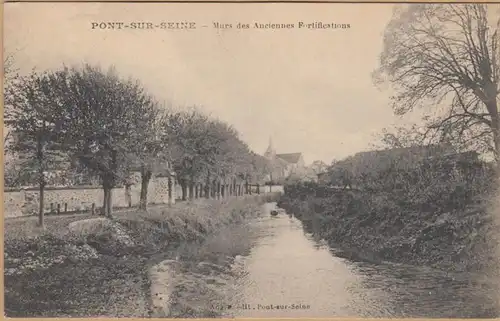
(270, 152)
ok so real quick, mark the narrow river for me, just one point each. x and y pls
(290, 274)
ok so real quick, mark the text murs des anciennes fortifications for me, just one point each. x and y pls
(164, 25)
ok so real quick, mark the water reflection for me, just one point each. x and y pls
(290, 273)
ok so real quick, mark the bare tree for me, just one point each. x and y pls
(446, 57)
(407, 136)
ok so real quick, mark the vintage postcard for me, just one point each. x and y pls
(239, 160)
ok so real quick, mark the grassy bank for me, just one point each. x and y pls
(206, 271)
(99, 268)
(441, 230)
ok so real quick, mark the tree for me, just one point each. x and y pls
(102, 117)
(340, 173)
(446, 55)
(220, 152)
(150, 153)
(205, 151)
(30, 115)
(233, 157)
(412, 136)
(11, 77)
(318, 167)
(260, 168)
(186, 132)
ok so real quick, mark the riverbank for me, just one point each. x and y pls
(203, 272)
(108, 263)
(372, 227)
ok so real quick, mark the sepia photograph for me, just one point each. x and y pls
(251, 160)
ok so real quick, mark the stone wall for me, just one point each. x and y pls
(25, 202)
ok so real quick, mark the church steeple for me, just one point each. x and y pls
(270, 152)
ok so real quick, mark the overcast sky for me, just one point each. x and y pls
(311, 90)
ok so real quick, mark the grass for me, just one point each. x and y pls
(202, 281)
(27, 227)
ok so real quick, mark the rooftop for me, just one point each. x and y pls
(290, 157)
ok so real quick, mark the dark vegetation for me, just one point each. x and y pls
(435, 212)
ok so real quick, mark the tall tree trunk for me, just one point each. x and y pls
(105, 200)
(207, 186)
(145, 179)
(191, 187)
(41, 203)
(488, 95)
(110, 203)
(170, 187)
(41, 177)
(191, 190)
(495, 127)
(110, 182)
(107, 187)
(128, 195)
(183, 189)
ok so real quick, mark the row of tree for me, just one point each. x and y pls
(110, 126)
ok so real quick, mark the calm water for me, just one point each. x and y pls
(290, 274)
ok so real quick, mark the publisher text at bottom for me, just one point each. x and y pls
(274, 306)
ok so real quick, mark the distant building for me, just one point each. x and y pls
(283, 165)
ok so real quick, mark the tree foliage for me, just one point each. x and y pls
(101, 119)
(32, 120)
(318, 167)
(205, 149)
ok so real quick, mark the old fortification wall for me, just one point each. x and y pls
(25, 202)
